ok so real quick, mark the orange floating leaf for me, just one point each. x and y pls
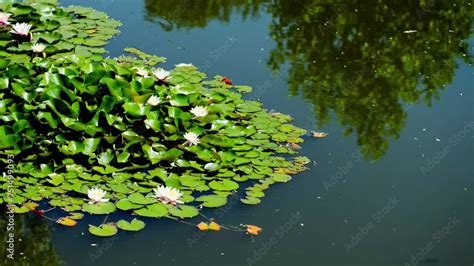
(253, 229)
(66, 221)
(214, 226)
(203, 226)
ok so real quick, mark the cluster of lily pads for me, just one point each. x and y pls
(97, 135)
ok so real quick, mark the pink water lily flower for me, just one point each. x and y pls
(4, 18)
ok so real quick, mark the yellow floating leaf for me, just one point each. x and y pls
(31, 205)
(253, 229)
(203, 226)
(92, 31)
(285, 171)
(66, 221)
(214, 226)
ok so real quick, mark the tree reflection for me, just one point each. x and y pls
(32, 244)
(198, 13)
(366, 63)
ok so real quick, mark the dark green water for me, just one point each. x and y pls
(393, 184)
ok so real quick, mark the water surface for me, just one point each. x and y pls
(392, 85)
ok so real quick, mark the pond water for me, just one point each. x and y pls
(393, 184)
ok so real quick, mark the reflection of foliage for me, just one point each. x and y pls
(357, 60)
(197, 13)
(35, 244)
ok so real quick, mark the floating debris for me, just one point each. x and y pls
(319, 135)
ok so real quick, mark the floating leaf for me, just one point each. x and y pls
(214, 226)
(66, 221)
(75, 215)
(203, 226)
(318, 134)
(134, 225)
(153, 211)
(253, 230)
(103, 230)
(99, 208)
(224, 185)
(184, 211)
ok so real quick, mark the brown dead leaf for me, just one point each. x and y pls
(318, 135)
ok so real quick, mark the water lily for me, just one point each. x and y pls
(161, 74)
(38, 47)
(153, 100)
(22, 29)
(184, 65)
(168, 194)
(96, 195)
(191, 138)
(199, 111)
(4, 18)
(142, 72)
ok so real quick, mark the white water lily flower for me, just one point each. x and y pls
(96, 195)
(191, 138)
(38, 47)
(4, 18)
(199, 111)
(142, 72)
(184, 65)
(161, 74)
(153, 100)
(168, 194)
(21, 29)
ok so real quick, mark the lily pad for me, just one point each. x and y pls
(153, 211)
(184, 211)
(103, 230)
(99, 208)
(134, 225)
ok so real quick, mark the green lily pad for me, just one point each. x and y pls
(250, 201)
(103, 230)
(125, 205)
(184, 211)
(138, 198)
(134, 225)
(212, 201)
(99, 208)
(153, 211)
(224, 185)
